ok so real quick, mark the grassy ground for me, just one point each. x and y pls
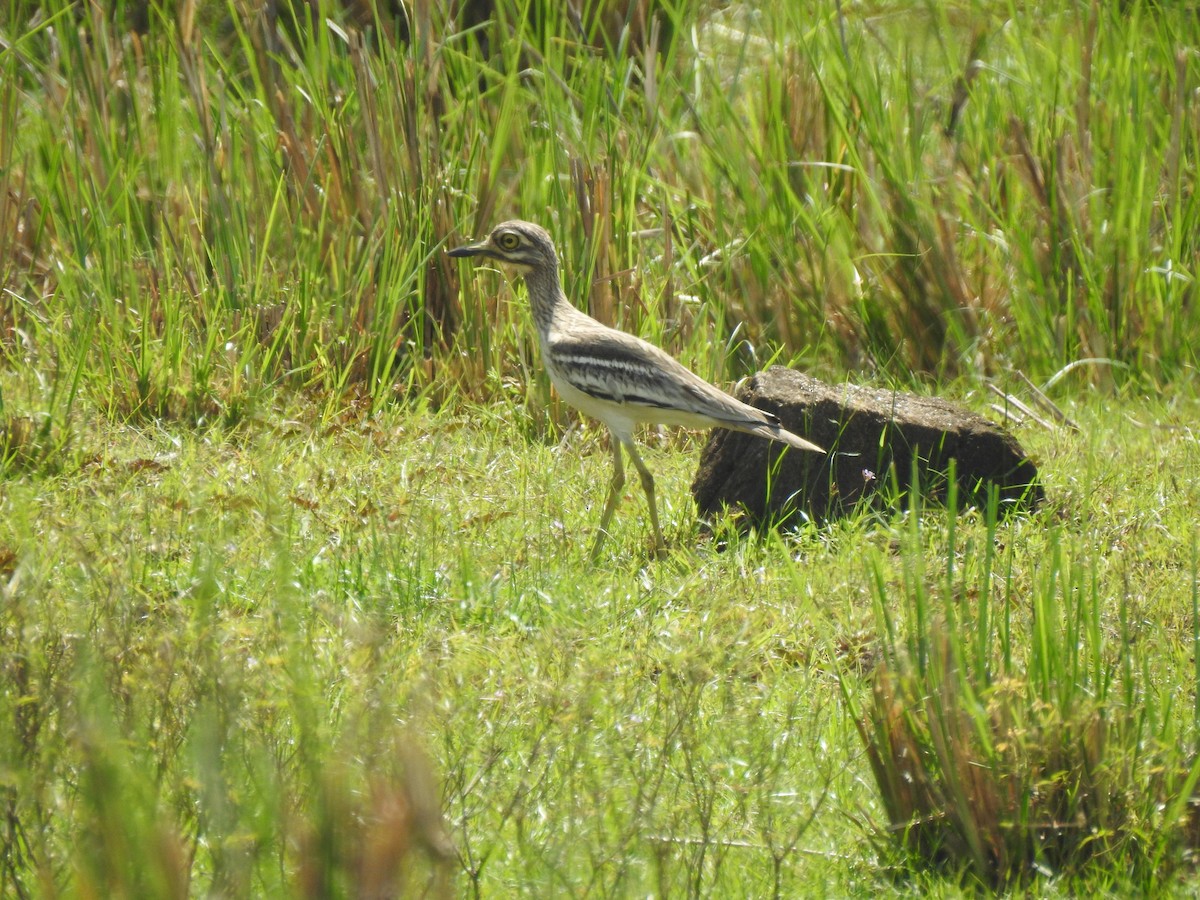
(293, 534)
(224, 644)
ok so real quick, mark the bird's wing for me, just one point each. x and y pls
(611, 365)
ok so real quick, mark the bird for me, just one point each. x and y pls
(611, 375)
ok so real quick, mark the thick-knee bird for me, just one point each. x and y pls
(612, 376)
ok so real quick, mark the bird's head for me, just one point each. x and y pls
(523, 245)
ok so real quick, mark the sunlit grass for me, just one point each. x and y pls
(218, 204)
(207, 633)
(1013, 727)
(293, 532)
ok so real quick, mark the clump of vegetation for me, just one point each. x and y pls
(1011, 732)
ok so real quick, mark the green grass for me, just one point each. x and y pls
(204, 632)
(294, 588)
(1014, 728)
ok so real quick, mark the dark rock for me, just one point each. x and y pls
(873, 437)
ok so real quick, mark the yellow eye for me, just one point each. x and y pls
(508, 241)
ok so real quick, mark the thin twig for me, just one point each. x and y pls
(1009, 398)
(1046, 403)
(1008, 414)
(1072, 366)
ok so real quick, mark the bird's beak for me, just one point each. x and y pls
(480, 249)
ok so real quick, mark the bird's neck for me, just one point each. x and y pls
(545, 296)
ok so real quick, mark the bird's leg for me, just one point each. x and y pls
(614, 494)
(660, 546)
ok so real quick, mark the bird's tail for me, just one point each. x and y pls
(777, 432)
